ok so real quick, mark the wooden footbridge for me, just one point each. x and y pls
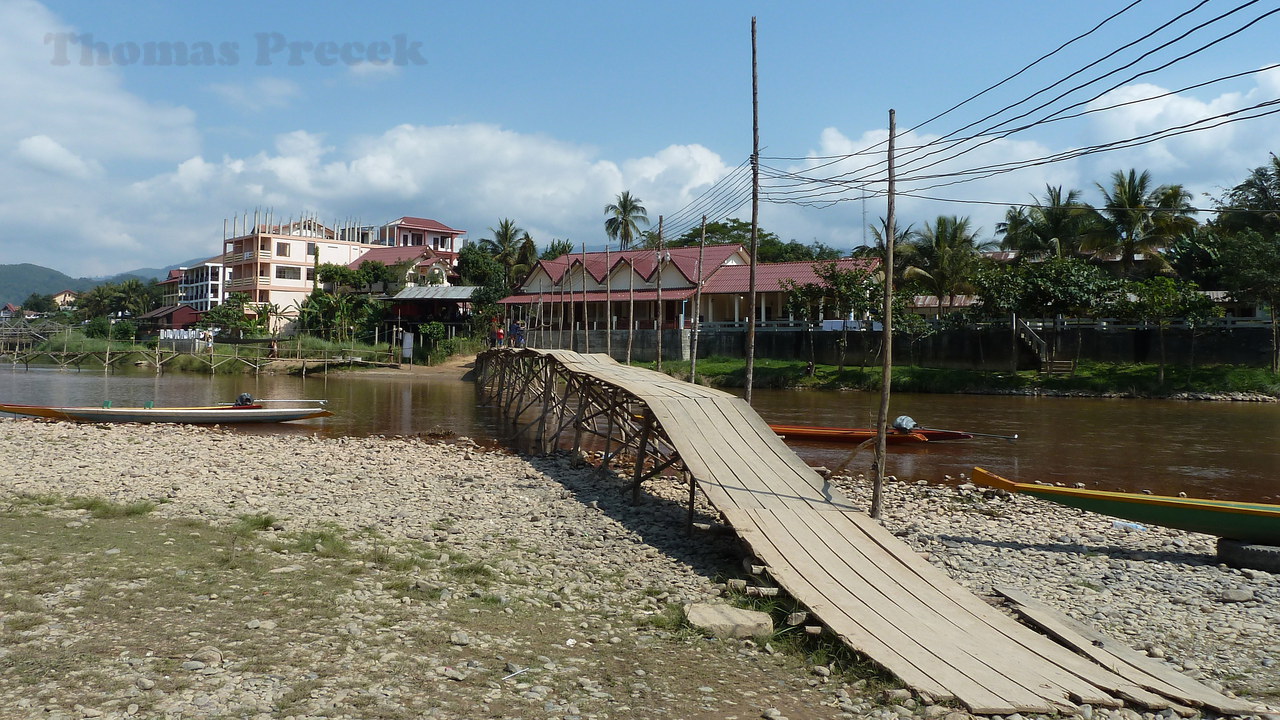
(864, 585)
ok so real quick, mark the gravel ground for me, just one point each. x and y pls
(560, 611)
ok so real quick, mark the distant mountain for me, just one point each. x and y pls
(17, 282)
(151, 273)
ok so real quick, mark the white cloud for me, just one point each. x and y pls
(265, 93)
(107, 180)
(45, 153)
(365, 72)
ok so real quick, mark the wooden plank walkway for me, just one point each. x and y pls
(866, 586)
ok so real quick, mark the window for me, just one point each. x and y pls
(282, 249)
(311, 274)
(311, 248)
(287, 272)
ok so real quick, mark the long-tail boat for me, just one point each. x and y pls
(240, 412)
(857, 435)
(1257, 523)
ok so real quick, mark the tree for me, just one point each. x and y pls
(1052, 226)
(98, 301)
(38, 303)
(943, 258)
(526, 258)
(1065, 286)
(1251, 272)
(1159, 300)
(1135, 218)
(372, 272)
(477, 268)
(803, 300)
(1057, 286)
(132, 297)
(230, 316)
(555, 249)
(625, 217)
(337, 276)
(504, 247)
(1255, 203)
(1195, 256)
(853, 291)
(769, 247)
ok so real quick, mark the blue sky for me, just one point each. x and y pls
(543, 112)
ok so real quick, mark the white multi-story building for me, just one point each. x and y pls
(201, 285)
(277, 264)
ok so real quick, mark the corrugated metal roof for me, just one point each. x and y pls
(436, 292)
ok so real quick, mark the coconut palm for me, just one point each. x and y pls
(526, 258)
(133, 297)
(1255, 203)
(1136, 218)
(943, 257)
(625, 218)
(1053, 225)
(504, 246)
(97, 302)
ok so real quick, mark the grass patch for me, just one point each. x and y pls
(325, 542)
(476, 572)
(249, 524)
(100, 508)
(1090, 377)
(825, 649)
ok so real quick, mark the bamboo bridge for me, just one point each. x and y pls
(865, 586)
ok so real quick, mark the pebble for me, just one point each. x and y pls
(557, 539)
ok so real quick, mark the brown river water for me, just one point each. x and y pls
(1206, 449)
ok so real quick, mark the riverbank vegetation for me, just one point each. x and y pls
(1141, 380)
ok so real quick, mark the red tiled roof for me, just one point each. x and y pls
(426, 224)
(390, 255)
(616, 296)
(769, 276)
(685, 259)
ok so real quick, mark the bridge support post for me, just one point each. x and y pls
(642, 450)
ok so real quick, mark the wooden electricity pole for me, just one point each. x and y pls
(886, 374)
(755, 216)
(658, 272)
(697, 306)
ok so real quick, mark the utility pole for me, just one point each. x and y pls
(755, 216)
(586, 323)
(658, 272)
(608, 304)
(697, 306)
(886, 337)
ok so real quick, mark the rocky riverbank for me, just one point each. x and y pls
(394, 577)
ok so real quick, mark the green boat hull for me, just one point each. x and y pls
(1252, 523)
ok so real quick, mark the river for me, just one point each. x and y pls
(1206, 449)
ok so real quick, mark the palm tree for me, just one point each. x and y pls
(97, 302)
(133, 297)
(625, 217)
(1052, 226)
(943, 257)
(526, 257)
(1136, 218)
(504, 246)
(1254, 203)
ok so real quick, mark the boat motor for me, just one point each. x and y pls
(245, 399)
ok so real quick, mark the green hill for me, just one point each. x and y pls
(17, 282)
